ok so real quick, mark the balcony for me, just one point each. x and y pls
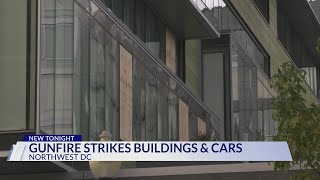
(211, 9)
(188, 18)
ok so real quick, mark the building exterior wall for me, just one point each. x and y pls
(273, 16)
(81, 95)
(267, 36)
(100, 72)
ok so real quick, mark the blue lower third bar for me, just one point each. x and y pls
(52, 138)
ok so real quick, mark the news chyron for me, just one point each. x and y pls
(73, 148)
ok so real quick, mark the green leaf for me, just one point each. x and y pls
(297, 123)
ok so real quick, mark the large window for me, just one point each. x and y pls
(231, 24)
(155, 107)
(142, 21)
(251, 98)
(17, 64)
(213, 82)
(293, 42)
(79, 73)
(90, 82)
(56, 66)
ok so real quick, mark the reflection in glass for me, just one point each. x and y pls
(81, 91)
(211, 9)
(98, 79)
(151, 109)
(79, 88)
(143, 21)
(63, 104)
(173, 102)
(155, 107)
(311, 78)
(252, 113)
(163, 123)
(56, 82)
(230, 24)
(213, 86)
(47, 103)
(111, 86)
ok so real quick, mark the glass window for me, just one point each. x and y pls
(81, 73)
(17, 64)
(252, 114)
(111, 86)
(128, 15)
(47, 103)
(142, 21)
(47, 64)
(63, 104)
(80, 78)
(155, 107)
(231, 24)
(163, 123)
(294, 44)
(263, 6)
(96, 79)
(152, 32)
(108, 3)
(151, 108)
(56, 66)
(117, 8)
(213, 86)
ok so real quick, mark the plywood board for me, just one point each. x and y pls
(171, 61)
(125, 94)
(183, 121)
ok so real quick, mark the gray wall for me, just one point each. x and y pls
(13, 64)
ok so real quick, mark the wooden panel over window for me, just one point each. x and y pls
(125, 94)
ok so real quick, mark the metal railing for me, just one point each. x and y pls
(211, 10)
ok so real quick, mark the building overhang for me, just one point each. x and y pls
(185, 18)
(304, 21)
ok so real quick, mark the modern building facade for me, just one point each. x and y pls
(149, 70)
